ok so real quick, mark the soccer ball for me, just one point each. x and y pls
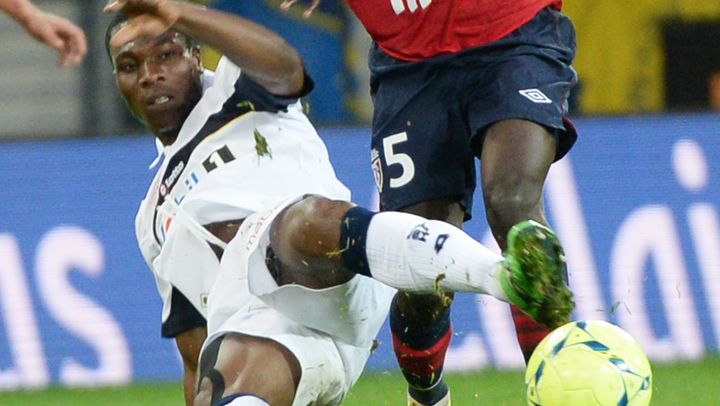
(588, 363)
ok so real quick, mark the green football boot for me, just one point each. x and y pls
(536, 277)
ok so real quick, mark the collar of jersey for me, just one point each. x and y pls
(218, 86)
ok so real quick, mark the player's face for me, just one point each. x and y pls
(160, 79)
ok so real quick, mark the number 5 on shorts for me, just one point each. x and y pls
(404, 160)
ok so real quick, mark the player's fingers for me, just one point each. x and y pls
(113, 5)
(132, 6)
(79, 46)
(67, 55)
(54, 41)
(313, 5)
(138, 26)
(73, 37)
(125, 34)
(75, 47)
(48, 34)
(65, 58)
(286, 4)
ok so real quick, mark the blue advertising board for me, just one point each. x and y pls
(319, 39)
(635, 204)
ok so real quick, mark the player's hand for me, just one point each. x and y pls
(286, 4)
(146, 18)
(65, 37)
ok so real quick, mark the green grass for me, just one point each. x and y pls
(694, 384)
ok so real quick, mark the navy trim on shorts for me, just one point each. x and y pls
(183, 316)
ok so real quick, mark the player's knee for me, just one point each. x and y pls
(506, 204)
(309, 228)
(318, 208)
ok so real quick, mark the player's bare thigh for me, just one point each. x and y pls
(516, 158)
(237, 363)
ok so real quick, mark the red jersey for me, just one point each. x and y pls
(417, 29)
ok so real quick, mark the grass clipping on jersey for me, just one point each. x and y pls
(261, 145)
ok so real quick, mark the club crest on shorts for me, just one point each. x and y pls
(376, 168)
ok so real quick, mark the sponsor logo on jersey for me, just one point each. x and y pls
(256, 229)
(412, 5)
(169, 181)
(535, 96)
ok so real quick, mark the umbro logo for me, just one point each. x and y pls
(535, 96)
(412, 5)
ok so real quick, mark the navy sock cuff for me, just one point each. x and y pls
(227, 399)
(353, 238)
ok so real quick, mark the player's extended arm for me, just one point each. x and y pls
(65, 37)
(263, 55)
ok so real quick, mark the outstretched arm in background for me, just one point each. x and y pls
(54, 31)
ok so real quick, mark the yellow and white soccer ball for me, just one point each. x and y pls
(588, 363)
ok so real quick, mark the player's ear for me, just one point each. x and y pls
(197, 58)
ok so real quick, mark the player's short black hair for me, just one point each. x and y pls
(120, 18)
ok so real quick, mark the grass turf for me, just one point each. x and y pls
(691, 383)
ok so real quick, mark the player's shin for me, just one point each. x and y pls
(420, 349)
(415, 254)
(529, 332)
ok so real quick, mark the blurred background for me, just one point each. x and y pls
(638, 57)
(635, 202)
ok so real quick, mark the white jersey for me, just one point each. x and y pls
(240, 150)
(246, 154)
(330, 331)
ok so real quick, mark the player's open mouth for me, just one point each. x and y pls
(161, 100)
(157, 100)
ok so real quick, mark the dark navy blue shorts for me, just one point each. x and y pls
(431, 115)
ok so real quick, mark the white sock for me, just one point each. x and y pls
(412, 253)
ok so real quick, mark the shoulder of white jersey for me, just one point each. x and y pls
(227, 72)
(231, 95)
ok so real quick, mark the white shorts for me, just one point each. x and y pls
(330, 331)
